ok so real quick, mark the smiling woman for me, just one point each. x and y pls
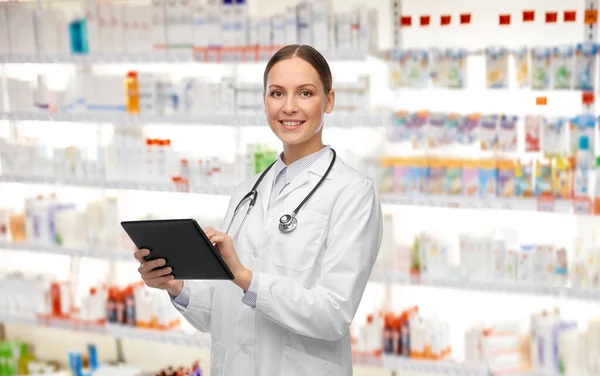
(298, 92)
(300, 239)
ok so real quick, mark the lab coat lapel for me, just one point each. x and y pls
(317, 168)
(264, 190)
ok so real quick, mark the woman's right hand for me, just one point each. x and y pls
(155, 275)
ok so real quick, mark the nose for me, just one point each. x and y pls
(289, 106)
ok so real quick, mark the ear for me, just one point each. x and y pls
(330, 102)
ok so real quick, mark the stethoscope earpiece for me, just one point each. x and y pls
(287, 223)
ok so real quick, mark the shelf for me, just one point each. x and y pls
(105, 254)
(165, 57)
(115, 331)
(342, 120)
(488, 286)
(377, 276)
(124, 185)
(462, 202)
(399, 364)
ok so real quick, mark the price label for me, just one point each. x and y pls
(582, 205)
(213, 56)
(546, 204)
(591, 16)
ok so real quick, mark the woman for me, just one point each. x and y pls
(295, 293)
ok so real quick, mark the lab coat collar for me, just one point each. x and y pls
(317, 168)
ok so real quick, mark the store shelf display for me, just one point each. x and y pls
(212, 32)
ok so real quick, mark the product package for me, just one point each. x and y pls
(562, 67)
(468, 128)
(435, 129)
(488, 132)
(451, 126)
(523, 179)
(400, 130)
(585, 68)
(540, 68)
(496, 64)
(506, 178)
(521, 57)
(438, 69)
(398, 65)
(419, 129)
(508, 133)
(416, 69)
(554, 136)
(581, 125)
(533, 130)
(457, 68)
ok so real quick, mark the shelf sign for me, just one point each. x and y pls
(569, 16)
(587, 97)
(541, 101)
(528, 16)
(582, 205)
(405, 21)
(591, 16)
(546, 204)
(551, 17)
(425, 20)
(504, 19)
(445, 20)
(465, 18)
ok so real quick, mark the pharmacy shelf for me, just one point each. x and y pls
(93, 252)
(165, 57)
(400, 365)
(120, 185)
(463, 202)
(116, 331)
(338, 120)
(584, 294)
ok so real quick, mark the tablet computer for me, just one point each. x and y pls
(183, 244)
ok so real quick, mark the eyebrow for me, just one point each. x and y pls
(300, 86)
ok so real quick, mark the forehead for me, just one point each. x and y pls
(293, 72)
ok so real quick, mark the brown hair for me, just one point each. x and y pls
(306, 53)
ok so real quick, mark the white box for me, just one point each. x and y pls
(4, 37)
(105, 26)
(343, 27)
(254, 32)
(21, 28)
(304, 14)
(368, 32)
(199, 26)
(144, 20)
(93, 26)
(265, 36)
(213, 23)
(291, 25)
(118, 29)
(278, 25)
(322, 25)
(158, 25)
(241, 17)
(227, 25)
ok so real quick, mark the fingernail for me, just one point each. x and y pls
(169, 270)
(162, 262)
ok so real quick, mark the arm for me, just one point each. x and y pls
(326, 311)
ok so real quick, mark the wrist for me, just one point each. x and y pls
(176, 289)
(243, 278)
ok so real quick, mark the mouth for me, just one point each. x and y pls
(291, 124)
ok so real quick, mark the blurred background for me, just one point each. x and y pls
(476, 119)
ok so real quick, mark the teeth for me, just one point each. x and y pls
(291, 123)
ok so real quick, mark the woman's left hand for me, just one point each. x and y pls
(224, 244)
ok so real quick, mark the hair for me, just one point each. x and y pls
(306, 53)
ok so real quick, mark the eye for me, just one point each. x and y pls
(276, 94)
(305, 93)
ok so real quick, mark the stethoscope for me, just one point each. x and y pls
(287, 222)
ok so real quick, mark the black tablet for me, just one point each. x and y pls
(184, 246)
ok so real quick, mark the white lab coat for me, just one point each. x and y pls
(311, 280)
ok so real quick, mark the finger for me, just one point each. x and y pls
(150, 265)
(216, 238)
(158, 273)
(156, 282)
(140, 254)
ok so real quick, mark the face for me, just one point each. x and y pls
(295, 102)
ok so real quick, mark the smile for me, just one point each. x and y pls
(292, 123)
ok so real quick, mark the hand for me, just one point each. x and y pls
(224, 244)
(162, 278)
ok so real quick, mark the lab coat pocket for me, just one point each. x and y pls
(297, 363)
(217, 359)
(298, 250)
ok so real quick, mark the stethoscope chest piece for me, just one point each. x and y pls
(287, 223)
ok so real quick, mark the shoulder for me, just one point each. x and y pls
(352, 184)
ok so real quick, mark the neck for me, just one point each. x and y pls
(292, 153)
